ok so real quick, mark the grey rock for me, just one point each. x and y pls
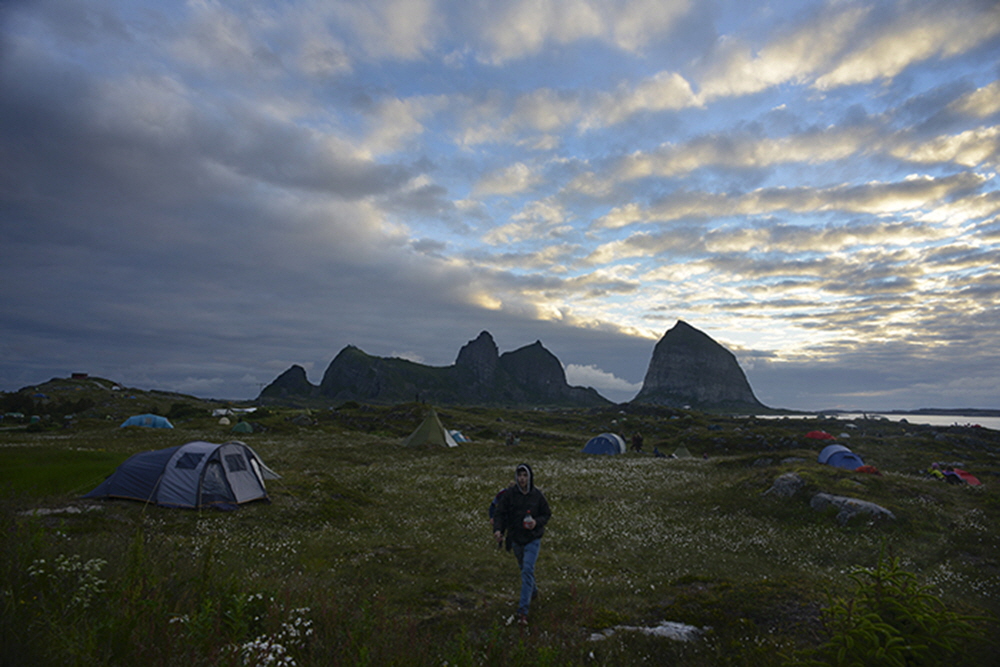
(848, 507)
(786, 485)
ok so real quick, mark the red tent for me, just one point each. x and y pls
(819, 435)
(968, 477)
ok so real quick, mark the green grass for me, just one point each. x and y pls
(53, 470)
(385, 552)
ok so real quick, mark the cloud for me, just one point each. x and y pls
(848, 44)
(607, 384)
(511, 180)
(516, 29)
(666, 91)
(980, 103)
(911, 194)
(545, 219)
(913, 35)
(385, 29)
(792, 57)
(741, 151)
(972, 148)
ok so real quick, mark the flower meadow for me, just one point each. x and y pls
(369, 553)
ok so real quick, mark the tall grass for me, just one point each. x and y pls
(372, 554)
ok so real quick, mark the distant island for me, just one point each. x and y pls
(688, 369)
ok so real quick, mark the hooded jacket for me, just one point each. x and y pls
(515, 504)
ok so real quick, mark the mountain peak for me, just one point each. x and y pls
(690, 368)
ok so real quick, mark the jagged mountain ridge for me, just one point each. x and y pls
(687, 368)
(528, 376)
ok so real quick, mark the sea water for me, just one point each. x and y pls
(933, 420)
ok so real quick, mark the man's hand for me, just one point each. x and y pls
(529, 522)
(498, 536)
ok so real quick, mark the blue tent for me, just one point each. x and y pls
(151, 421)
(841, 457)
(198, 474)
(605, 443)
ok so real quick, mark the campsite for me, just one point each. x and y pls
(369, 552)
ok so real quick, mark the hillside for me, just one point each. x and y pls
(384, 551)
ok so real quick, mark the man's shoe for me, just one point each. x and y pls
(522, 620)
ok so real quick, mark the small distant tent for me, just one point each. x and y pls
(819, 435)
(197, 474)
(457, 435)
(605, 443)
(225, 421)
(242, 427)
(840, 457)
(430, 432)
(147, 420)
(682, 453)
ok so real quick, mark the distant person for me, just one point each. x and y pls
(637, 442)
(658, 454)
(521, 514)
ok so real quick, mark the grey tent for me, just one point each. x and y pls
(430, 432)
(198, 474)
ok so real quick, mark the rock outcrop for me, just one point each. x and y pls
(786, 485)
(688, 368)
(529, 376)
(848, 508)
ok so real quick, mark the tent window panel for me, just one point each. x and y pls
(189, 461)
(235, 463)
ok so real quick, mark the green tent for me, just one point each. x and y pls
(682, 453)
(242, 427)
(430, 432)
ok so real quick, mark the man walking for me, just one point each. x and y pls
(522, 514)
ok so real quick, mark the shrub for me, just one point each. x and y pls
(892, 620)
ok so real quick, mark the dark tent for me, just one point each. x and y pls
(840, 457)
(605, 443)
(198, 474)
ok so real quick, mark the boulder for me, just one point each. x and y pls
(849, 507)
(786, 485)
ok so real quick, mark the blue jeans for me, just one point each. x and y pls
(526, 555)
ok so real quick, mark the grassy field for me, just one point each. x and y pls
(374, 554)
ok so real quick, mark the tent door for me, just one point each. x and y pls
(214, 487)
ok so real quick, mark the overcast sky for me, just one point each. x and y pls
(195, 196)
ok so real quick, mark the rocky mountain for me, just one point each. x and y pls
(529, 376)
(689, 368)
(292, 382)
